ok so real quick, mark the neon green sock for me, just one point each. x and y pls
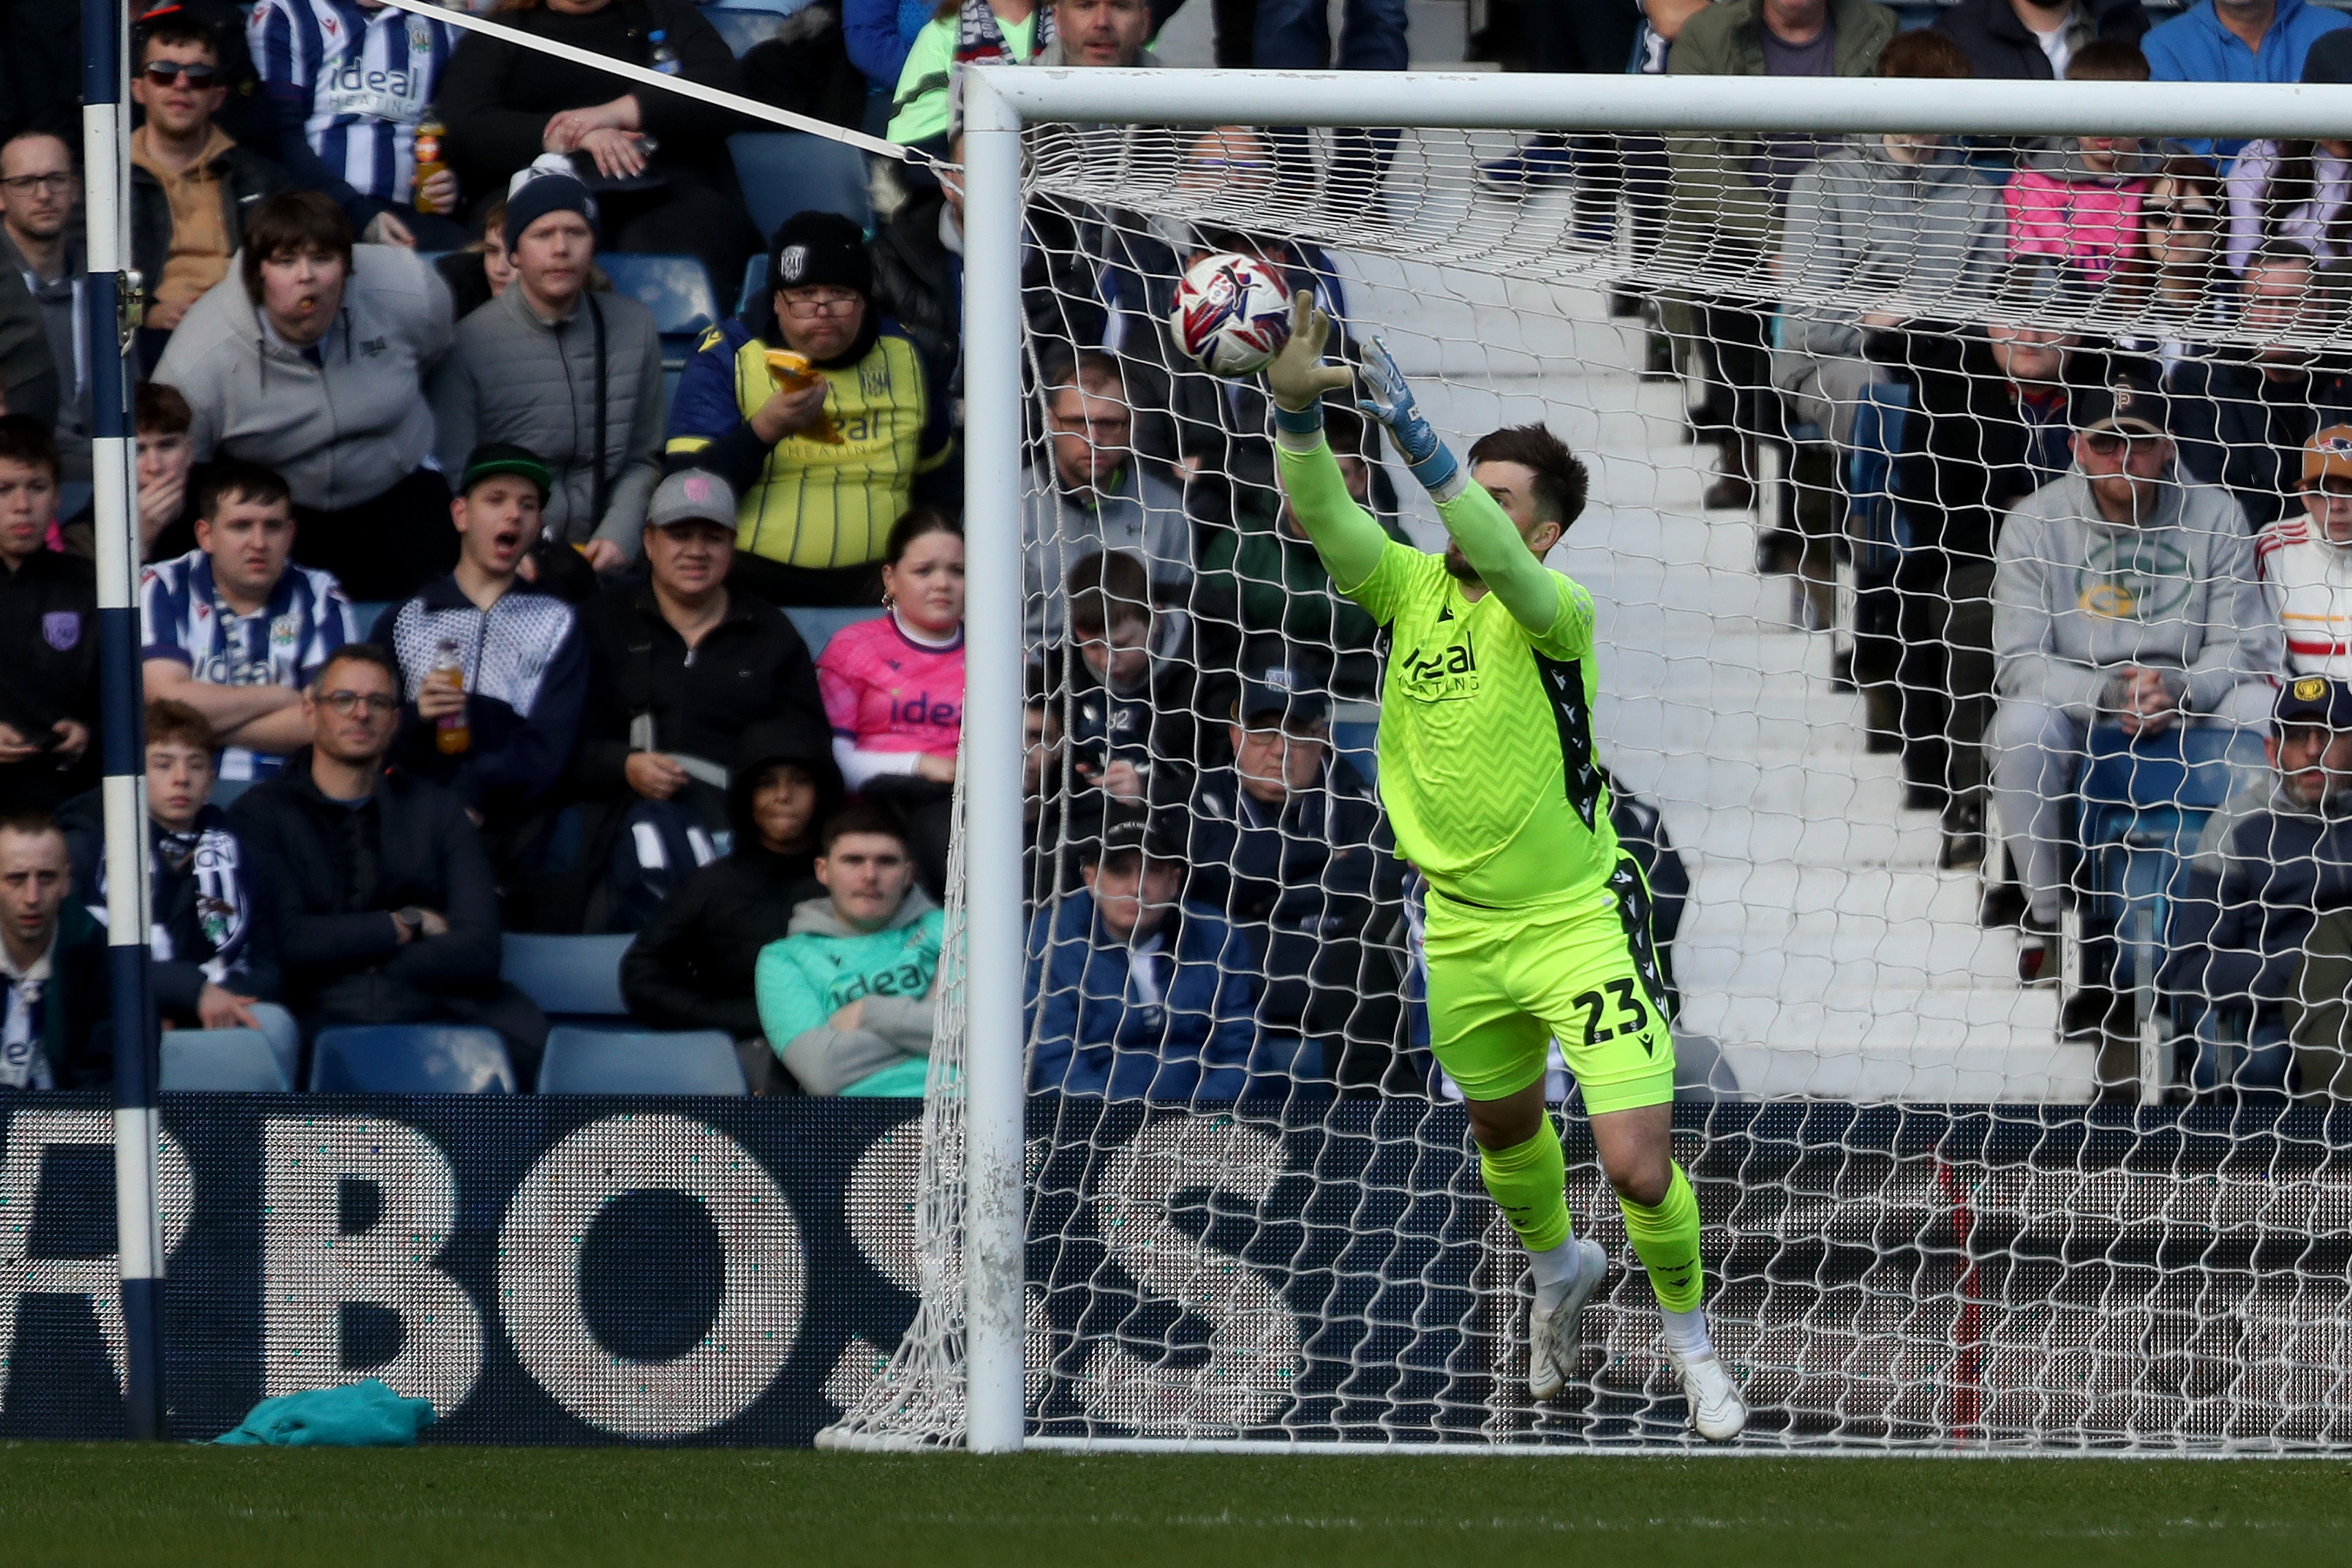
(1529, 1183)
(1667, 1238)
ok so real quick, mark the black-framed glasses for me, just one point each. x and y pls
(195, 73)
(26, 185)
(345, 703)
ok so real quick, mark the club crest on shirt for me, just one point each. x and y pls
(61, 630)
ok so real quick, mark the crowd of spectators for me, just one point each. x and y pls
(580, 700)
(2095, 377)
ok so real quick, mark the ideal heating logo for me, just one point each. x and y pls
(1441, 674)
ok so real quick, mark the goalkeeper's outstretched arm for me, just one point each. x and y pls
(1343, 533)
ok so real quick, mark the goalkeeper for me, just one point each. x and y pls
(1537, 924)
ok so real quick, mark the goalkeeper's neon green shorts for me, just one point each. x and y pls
(1502, 983)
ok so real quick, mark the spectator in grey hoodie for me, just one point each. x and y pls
(1901, 221)
(2124, 593)
(571, 375)
(310, 359)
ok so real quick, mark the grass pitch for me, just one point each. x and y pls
(187, 1507)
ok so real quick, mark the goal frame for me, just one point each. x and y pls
(998, 103)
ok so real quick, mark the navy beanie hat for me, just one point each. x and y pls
(549, 185)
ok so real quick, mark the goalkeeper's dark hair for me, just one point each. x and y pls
(1561, 482)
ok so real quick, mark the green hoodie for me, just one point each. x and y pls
(821, 965)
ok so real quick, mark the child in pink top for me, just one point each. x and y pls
(893, 687)
(2080, 205)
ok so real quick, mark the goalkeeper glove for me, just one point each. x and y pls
(1391, 402)
(1299, 378)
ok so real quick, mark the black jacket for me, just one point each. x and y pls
(1315, 882)
(246, 178)
(338, 872)
(1153, 725)
(751, 666)
(77, 1031)
(2242, 430)
(918, 281)
(1971, 451)
(48, 647)
(692, 967)
(497, 98)
(2000, 46)
(212, 915)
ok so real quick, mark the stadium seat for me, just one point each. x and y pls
(568, 976)
(755, 280)
(678, 292)
(639, 1061)
(747, 24)
(221, 1060)
(1356, 735)
(365, 615)
(788, 172)
(411, 1059)
(817, 625)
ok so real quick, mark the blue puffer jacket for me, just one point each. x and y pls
(1098, 1034)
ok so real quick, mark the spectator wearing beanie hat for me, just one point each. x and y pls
(571, 374)
(827, 450)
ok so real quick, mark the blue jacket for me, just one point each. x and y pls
(878, 34)
(1095, 1036)
(2238, 934)
(2195, 46)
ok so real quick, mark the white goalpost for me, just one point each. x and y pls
(1918, 1235)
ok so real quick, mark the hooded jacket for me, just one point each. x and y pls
(511, 376)
(246, 179)
(823, 964)
(1864, 226)
(2075, 596)
(343, 428)
(211, 924)
(693, 966)
(2002, 47)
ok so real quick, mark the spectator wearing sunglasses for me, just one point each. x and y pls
(2124, 593)
(192, 185)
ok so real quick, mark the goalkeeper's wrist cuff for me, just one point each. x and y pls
(1306, 421)
(1439, 474)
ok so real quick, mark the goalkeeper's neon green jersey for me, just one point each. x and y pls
(1487, 761)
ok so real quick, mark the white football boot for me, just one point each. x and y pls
(1718, 1409)
(1555, 1338)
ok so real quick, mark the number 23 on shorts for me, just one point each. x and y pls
(1633, 1014)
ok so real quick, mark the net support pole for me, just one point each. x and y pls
(995, 1064)
(105, 139)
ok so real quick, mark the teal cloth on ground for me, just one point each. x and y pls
(366, 1415)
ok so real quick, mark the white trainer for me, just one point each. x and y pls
(1555, 1338)
(1718, 1410)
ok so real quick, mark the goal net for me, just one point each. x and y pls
(1983, 1065)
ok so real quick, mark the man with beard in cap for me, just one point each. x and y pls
(820, 412)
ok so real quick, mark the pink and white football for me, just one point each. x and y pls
(1230, 315)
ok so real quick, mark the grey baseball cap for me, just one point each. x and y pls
(692, 495)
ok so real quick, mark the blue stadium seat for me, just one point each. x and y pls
(411, 1059)
(817, 625)
(755, 282)
(639, 1061)
(745, 24)
(788, 172)
(364, 613)
(228, 1059)
(1356, 735)
(568, 976)
(678, 292)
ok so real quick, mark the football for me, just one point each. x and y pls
(1232, 314)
